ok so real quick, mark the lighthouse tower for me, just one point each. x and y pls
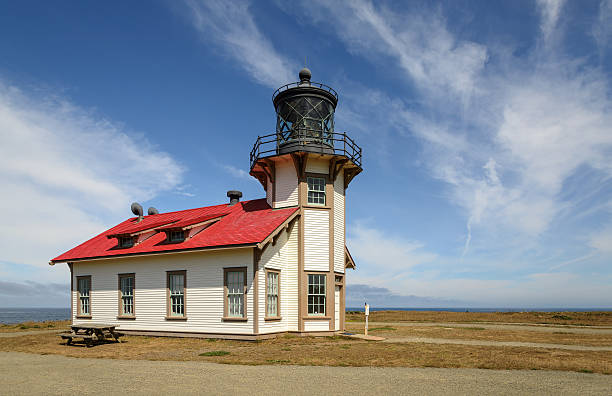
(307, 164)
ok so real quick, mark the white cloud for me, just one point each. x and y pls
(232, 26)
(528, 126)
(434, 60)
(68, 173)
(550, 10)
(602, 240)
(385, 252)
(602, 29)
(237, 172)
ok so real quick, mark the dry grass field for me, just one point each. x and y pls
(603, 318)
(33, 326)
(339, 351)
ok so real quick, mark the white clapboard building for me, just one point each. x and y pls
(243, 269)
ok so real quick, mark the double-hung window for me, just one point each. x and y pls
(83, 298)
(235, 293)
(272, 290)
(126, 295)
(316, 190)
(316, 294)
(176, 294)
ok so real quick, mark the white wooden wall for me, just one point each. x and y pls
(286, 184)
(316, 325)
(316, 240)
(339, 241)
(284, 257)
(316, 165)
(204, 295)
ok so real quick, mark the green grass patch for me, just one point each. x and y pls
(215, 353)
(278, 361)
(473, 328)
(562, 317)
(586, 371)
(386, 328)
(285, 349)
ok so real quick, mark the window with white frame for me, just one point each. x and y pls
(235, 289)
(316, 294)
(84, 290)
(126, 294)
(272, 301)
(316, 190)
(176, 294)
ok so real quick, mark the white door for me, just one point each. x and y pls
(337, 304)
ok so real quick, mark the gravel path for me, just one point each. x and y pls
(497, 343)
(28, 374)
(500, 326)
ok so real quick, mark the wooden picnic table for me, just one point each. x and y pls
(92, 333)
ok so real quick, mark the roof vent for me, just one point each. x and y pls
(137, 210)
(152, 211)
(234, 197)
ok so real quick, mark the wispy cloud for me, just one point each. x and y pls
(550, 10)
(602, 29)
(231, 26)
(520, 132)
(429, 55)
(239, 173)
(67, 173)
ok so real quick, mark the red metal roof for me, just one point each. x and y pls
(247, 222)
(192, 220)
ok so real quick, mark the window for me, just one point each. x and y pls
(126, 242)
(83, 298)
(177, 236)
(235, 293)
(176, 294)
(126, 295)
(272, 300)
(316, 190)
(316, 294)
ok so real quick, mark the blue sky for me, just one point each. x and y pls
(486, 129)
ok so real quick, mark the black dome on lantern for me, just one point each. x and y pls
(305, 115)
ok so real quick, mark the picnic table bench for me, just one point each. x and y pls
(91, 333)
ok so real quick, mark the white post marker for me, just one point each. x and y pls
(367, 314)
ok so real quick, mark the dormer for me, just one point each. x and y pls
(182, 230)
(137, 230)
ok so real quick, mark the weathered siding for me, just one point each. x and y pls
(316, 325)
(316, 240)
(204, 294)
(286, 184)
(339, 230)
(283, 257)
(315, 165)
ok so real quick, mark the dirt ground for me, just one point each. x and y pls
(490, 333)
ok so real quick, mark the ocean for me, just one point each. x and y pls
(18, 315)
(361, 309)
